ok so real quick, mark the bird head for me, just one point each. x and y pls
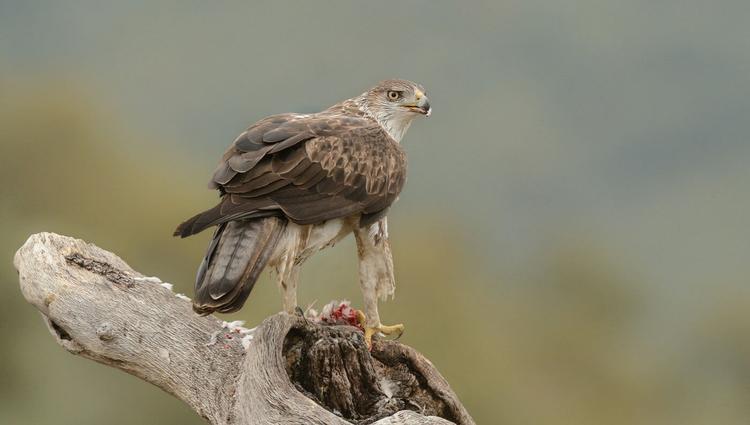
(395, 104)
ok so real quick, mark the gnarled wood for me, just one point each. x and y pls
(285, 371)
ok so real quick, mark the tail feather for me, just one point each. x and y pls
(225, 211)
(199, 222)
(238, 253)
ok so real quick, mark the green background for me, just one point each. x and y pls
(573, 243)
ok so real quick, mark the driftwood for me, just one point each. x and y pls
(285, 371)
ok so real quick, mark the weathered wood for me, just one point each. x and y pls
(286, 371)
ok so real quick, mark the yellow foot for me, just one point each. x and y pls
(379, 329)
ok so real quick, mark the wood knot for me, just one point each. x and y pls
(105, 331)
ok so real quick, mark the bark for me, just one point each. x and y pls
(286, 371)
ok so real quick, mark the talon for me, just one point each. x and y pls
(383, 329)
(298, 311)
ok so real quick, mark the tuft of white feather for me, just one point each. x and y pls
(388, 387)
(166, 285)
(237, 327)
(237, 324)
(149, 279)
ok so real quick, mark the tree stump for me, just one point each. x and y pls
(287, 370)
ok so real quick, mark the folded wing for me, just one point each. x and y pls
(307, 168)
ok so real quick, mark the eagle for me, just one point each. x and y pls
(293, 184)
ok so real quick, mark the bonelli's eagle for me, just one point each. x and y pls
(293, 184)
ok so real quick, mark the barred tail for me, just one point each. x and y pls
(237, 254)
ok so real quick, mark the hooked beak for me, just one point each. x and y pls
(421, 106)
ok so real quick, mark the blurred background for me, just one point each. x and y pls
(573, 244)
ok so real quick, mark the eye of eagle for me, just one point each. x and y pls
(394, 95)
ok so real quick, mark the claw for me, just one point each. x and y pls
(383, 329)
(298, 311)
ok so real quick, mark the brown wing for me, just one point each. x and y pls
(307, 168)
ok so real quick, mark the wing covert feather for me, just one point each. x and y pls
(309, 168)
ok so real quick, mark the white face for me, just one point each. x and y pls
(395, 103)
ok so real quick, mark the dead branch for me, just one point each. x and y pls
(285, 371)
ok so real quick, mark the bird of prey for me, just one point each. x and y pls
(293, 184)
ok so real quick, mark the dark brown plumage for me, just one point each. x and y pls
(308, 169)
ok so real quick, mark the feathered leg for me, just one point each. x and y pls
(375, 276)
(289, 282)
(288, 268)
